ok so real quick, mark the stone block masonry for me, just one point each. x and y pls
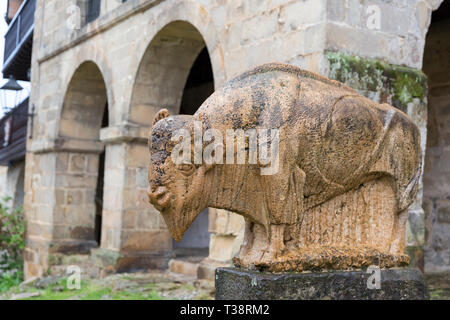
(135, 59)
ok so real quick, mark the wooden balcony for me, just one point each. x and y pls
(19, 42)
(13, 134)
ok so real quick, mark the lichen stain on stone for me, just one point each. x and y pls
(402, 84)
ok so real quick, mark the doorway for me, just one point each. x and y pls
(199, 86)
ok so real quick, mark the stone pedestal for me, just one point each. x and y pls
(395, 284)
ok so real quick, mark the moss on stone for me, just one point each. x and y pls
(401, 84)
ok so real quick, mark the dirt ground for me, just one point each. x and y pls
(153, 285)
(439, 286)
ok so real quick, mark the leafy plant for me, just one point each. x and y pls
(12, 244)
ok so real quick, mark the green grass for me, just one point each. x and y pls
(90, 291)
(440, 294)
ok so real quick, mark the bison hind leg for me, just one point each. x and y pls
(399, 233)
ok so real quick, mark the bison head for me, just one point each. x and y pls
(176, 189)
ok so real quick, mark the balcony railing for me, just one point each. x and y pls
(13, 134)
(18, 42)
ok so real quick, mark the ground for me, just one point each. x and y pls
(439, 285)
(154, 285)
(137, 286)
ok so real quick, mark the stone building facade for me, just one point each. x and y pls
(96, 87)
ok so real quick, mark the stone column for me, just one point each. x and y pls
(227, 234)
(134, 236)
(59, 201)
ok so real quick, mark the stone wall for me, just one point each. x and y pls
(143, 51)
(393, 31)
(3, 173)
(437, 166)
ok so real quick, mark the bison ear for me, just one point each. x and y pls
(162, 114)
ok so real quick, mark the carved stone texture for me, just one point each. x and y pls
(348, 169)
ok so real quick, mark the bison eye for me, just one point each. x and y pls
(186, 168)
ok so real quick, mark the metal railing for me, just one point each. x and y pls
(20, 29)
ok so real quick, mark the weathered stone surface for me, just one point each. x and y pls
(111, 261)
(406, 89)
(436, 191)
(395, 284)
(336, 192)
(25, 295)
(142, 55)
(183, 267)
(45, 282)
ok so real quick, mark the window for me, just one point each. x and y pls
(93, 10)
(95, 7)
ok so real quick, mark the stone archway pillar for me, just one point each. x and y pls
(227, 234)
(59, 201)
(134, 235)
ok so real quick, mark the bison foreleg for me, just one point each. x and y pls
(275, 247)
(249, 238)
(283, 193)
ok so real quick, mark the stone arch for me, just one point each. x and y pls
(170, 76)
(162, 80)
(84, 104)
(78, 150)
(164, 70)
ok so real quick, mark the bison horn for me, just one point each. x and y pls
(162, 114)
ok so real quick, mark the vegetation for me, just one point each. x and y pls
(114, 287)
(12, 244)
(92, 291)
(364, 74)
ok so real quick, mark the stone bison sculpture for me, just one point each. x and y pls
(348, 168)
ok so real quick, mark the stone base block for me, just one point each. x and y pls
(207, 268)
(183, 267)
(112, 261)
(71, 247)
(394, 284)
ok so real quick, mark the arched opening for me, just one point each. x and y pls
(100, 184)
(164, 70)
(436, 178)
(84, 104)
(175, 73)
(199, 86)
(80, 166)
